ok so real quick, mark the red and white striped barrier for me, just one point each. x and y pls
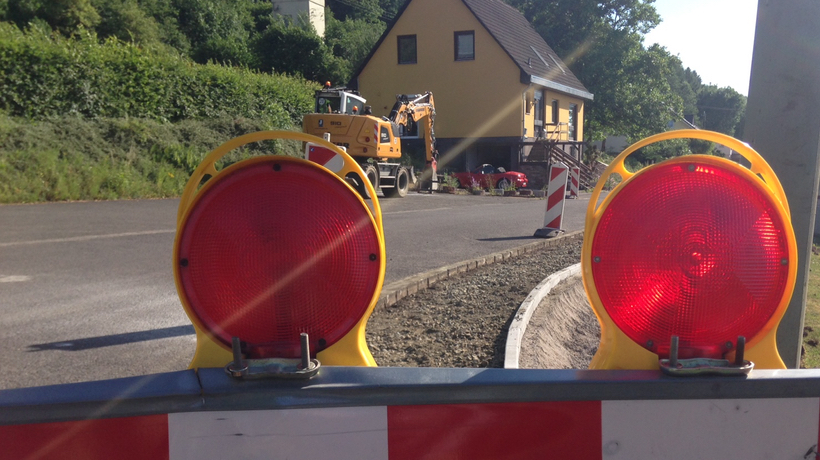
(599, 430)
(556, 193)
(574, 181)
(324, 156)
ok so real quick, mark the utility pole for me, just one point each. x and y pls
(783, 125)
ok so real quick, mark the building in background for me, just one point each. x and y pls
(502, 94)
(313, 10)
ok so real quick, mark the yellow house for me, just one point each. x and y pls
(499, 88)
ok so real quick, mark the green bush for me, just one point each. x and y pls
(44, 75)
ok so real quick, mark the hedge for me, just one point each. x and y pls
(44, 76)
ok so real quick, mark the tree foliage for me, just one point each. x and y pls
(48, 76)
(721, 109)
(244, 33)
(638, 89)
(295, 49)
(351, 40)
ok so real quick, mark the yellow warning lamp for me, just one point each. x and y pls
(697, 247)
(272, 247)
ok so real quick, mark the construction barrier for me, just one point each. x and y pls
(574, 181)
(556, 193)
(324, 156)
(409, 413)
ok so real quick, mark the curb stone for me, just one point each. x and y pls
(400, 289)
(518, 326)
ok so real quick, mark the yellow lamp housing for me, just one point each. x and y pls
(697, 247)
(274, 246)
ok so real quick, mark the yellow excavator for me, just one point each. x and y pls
(375, 143)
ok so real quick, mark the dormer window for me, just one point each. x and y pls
(465, 45)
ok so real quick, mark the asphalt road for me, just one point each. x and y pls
(87, 290)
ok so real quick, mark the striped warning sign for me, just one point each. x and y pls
(556, 192)
(574, 181)
(586, 430)
(324, 156)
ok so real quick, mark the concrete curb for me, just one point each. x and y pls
(519, 323)
(400, 289)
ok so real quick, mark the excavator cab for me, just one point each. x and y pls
(333, 100)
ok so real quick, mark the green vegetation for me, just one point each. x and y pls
(72, 158)
(176, 66)
(47, 75)
(811, 322)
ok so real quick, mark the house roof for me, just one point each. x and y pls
(537, 61)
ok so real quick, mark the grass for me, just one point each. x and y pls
(72, 158)
(811, 322)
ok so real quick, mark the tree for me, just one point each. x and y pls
(569, 25)
(351, 41)
(391, 8)
(367, 10)
(66, 16)
(218, 30)
(721, 109)
(125, 20)
(288, 48)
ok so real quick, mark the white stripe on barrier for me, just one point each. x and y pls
(709, 429)
(574, 181)
(321, 434)
(556, 191)
(782, 428)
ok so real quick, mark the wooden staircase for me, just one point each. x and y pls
(550, 153)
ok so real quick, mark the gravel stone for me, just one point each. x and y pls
(462, 321)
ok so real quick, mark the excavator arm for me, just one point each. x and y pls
(421, 109)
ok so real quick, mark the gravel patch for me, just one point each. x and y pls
(462, 321)
(563, 331)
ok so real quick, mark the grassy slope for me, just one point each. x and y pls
(72, 158)
(811, 323)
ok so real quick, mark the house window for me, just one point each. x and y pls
(573, 122)
(538, 120)
(465, 46)
(407, 49)
(554, 119)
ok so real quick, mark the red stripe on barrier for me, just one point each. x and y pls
(321, 155)
(555, 197)
(554, 223)
(128, 438)
(561, 429)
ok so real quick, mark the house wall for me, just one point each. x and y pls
(474, 99)
(313, 9)
(564, 101)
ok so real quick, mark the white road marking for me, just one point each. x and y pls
(14, 278)
(85, 238)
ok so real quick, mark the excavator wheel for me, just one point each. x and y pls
(402, 185)
(371, 173)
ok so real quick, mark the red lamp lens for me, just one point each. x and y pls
(693, 250)
(276, 248)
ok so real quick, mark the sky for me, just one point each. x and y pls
(712, 37)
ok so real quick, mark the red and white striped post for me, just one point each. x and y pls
(324, 156)
(574, 181)
(556, 193)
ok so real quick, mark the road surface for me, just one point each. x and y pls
(87, 291)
